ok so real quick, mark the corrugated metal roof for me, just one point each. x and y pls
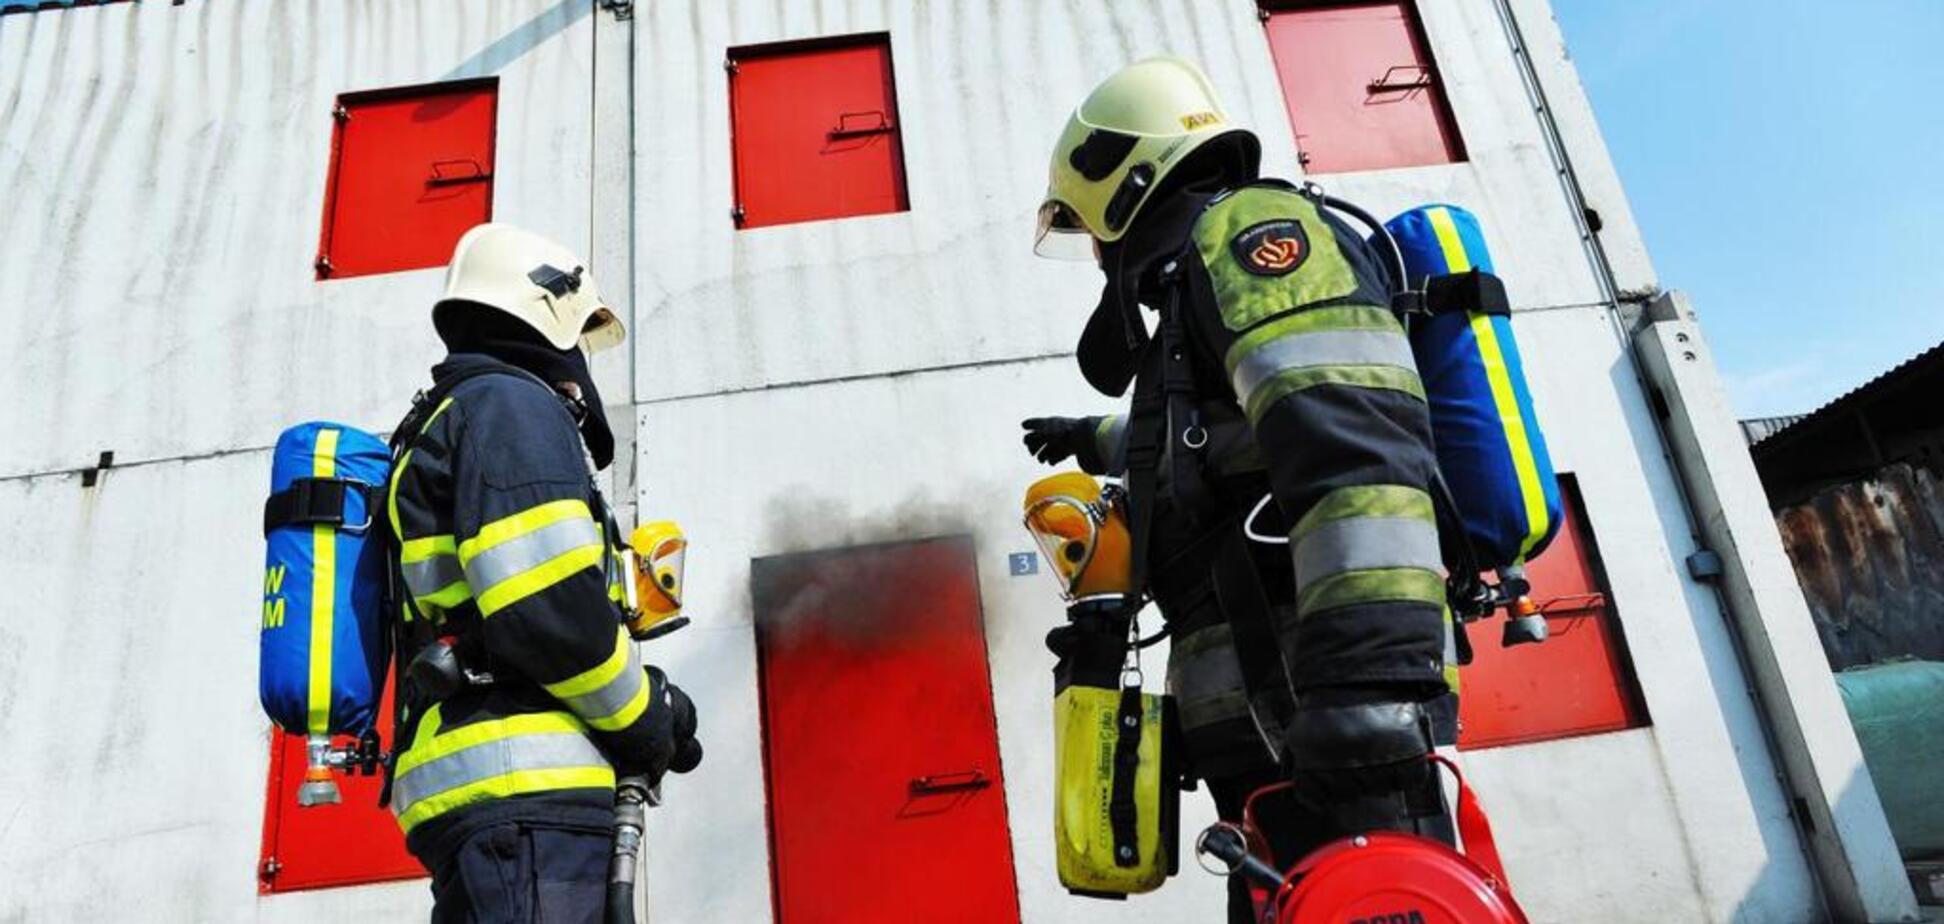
(1761, 428)
(1922, 362)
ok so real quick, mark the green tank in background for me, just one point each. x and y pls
(1898, 711)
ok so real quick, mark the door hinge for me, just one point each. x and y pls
(729, 64)
(340, 113)
(736, 215)
(268, 869)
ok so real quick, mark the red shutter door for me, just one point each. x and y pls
(1576, 682)
(885, 797)
(1362, 91)
(815, 131)
(349, 843)
(411, 171)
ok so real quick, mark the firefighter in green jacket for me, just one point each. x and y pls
(1274, 369)
(525, 698)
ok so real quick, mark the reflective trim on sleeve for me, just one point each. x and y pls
(528, 552)
(1367, 500)
(1291, 381)
(611, 695)
(430, 568)
(1363, 544)
(493, 760)
(1386, 585)
(1325, 349)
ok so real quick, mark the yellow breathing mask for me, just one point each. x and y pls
(1081, 529)
(659, 549)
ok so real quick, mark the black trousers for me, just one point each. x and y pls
(521, 872)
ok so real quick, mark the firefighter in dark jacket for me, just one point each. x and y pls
(510, 746)
(1274, 369)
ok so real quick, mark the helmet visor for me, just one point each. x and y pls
(602, 331)
(1061, 235)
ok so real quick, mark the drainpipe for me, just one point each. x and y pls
(1839, 820)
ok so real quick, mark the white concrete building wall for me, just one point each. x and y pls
(796, 387)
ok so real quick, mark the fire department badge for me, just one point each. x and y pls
(1272, 248)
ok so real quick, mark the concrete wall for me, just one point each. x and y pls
(794, 387)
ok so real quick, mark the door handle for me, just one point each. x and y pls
(455, 172)
(1386, 84)
(961, 781)
(845, 129)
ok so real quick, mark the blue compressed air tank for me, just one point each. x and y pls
(1490, 445)
(324, 644)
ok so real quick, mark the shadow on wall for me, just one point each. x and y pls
(530, 35)
(1870, 557)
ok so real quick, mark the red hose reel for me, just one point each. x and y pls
(1377, 878)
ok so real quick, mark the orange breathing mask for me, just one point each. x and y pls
(659, 549)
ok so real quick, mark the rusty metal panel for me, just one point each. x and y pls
(1870, 556)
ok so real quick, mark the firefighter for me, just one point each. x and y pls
(1274, 369)
(513, 733)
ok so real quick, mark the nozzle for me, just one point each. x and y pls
(318, 788)
(1524, 624)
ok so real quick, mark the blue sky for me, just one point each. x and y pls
(1785, 160)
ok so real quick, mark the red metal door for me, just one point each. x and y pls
(886, 800)
(349, 843)
(411, 171)
(1576, 682)
(815, 129)
(1362, 90)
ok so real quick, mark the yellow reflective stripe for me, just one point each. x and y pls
(519, 782)
(429, 744)
(323, 593)
(627, 714)
(404, 461)
(1448, 240)
(1516, 438)
(598, 676)
(519, 524)
(1290, 381)
(446, 597)
(1386, 585)
(421, 549)
(532, 581)
(1366, 500)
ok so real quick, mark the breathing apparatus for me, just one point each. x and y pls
(655, 603)
(1116, 793)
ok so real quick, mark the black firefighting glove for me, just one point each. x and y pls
(672, 723)
(1053, 439)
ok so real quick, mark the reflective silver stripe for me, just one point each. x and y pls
(1450, 639)
(611, 696)
(425, 578)
(1205, 677)
(1362, 543)
(1323, 348)
(523, 553)
(500, 756)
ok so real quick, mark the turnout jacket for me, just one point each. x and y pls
(1305, 390)
(505, 545)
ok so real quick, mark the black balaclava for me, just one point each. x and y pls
(1109, 351)
(494, 333)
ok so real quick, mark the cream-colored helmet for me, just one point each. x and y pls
(1124, 139)
(534, 279)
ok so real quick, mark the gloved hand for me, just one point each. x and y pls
(672, 724)
(1052, 439)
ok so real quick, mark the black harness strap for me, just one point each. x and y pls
(1123, 814)
(318, 502)
(1252, 630)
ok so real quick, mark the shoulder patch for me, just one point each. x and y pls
(1271, 248)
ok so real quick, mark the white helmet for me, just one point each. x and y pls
(533, 279)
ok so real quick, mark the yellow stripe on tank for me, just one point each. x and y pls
(1517, 441)
(323, 593)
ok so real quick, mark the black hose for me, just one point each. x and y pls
(620, 903)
